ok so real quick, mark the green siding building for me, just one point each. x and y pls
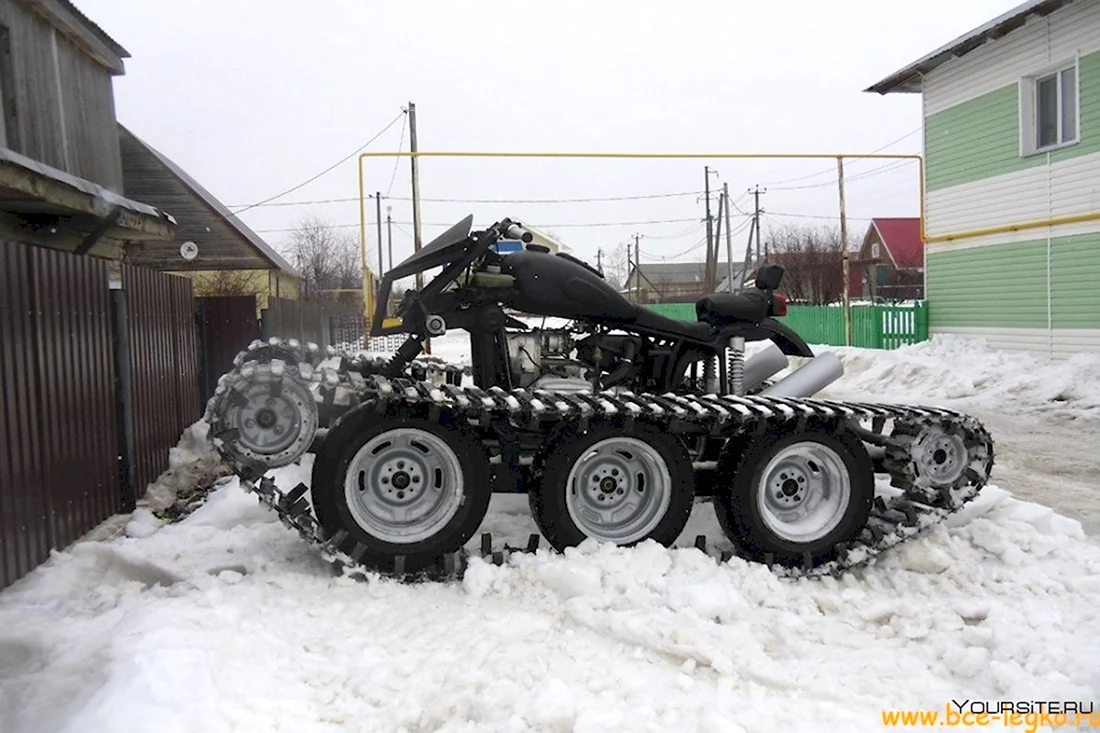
(1012, 178)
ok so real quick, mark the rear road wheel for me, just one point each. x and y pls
(790, 496)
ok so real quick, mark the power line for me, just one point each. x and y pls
(561, 225)
(819, 216)
(879, 170)
(397, 159)
(326, 170)
(351, 199)
(833, 170)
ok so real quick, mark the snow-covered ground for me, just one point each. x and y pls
(226, 621)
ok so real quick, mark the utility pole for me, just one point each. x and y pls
(729, 235)
(756, 218)
(637, 271)
(599, 260)
(378, 216)
(707, 277)
(415, 189)
(414, 162)
(389, 246)
(717, 238)
(629, 266)
(389, 235)
(844, 251)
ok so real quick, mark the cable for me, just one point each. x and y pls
(351, 199)
(400, 146)
(326, 170)
(833, 170)
(895, 165)
(819, 216)
(540, 225)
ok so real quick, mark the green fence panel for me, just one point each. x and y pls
(873, 326)
(679, 311)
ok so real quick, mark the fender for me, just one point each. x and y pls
(788, 341)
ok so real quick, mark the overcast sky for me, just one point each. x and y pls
(252, 97)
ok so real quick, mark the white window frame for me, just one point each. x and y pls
(875, 251)
(1029, 111)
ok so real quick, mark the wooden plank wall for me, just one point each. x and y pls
(75, 131)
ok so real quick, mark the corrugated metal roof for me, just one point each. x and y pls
(104, 197)
(266, 250)
(95, 29)
(683, 273)
(908, 80)
(901, 235)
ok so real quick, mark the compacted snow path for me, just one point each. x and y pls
(225, 621)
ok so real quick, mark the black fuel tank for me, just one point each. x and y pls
(553, 285)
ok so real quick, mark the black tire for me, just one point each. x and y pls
(743, 520)
(549, 484)
(332, 464)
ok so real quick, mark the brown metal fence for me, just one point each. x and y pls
(96, 385)
(298, 319)
(163, 364)
(226, 326)
(59, 473)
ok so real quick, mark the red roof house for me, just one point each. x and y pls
(890, 262)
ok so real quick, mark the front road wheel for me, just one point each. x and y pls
(402, 485)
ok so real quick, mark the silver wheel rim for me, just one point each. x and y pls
(941, 456)
(804, 492)
(404, 485)
(618, 490)
(275, 417)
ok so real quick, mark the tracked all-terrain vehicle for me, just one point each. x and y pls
(612, 426)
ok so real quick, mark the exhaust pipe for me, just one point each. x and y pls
(770, 361)
(814, 376)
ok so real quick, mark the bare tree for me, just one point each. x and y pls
(616, 266)
(327, 258)
(812, 258)
(226, 282)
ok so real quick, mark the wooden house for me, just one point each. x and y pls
(891, 260)
(60, 169)
(228, 257)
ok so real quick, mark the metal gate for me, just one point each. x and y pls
(225, 325)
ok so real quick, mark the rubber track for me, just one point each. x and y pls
(892, 522)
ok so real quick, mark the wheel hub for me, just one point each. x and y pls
(404, 485)
(805, 491)
(619, 489)
(266, 418)
(941, 456)
(274, 416)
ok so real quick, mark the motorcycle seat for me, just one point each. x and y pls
(721, 309)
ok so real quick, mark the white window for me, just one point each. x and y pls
(1049, 110)
(875, 250)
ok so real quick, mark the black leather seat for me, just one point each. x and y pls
(722, 309)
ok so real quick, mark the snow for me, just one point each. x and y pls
(192, 465)
(227, 621)
(949, 368)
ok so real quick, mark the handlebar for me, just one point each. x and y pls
(515, 231)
